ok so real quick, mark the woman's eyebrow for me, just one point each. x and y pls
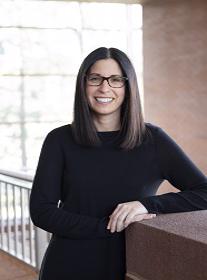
(104, 76)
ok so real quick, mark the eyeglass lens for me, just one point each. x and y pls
(113, 81)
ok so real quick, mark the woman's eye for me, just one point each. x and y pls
(116, 79)
(94, 79)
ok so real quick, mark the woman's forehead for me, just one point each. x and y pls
(106, 67)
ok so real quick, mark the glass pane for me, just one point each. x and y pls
(49, 98)
(40, 14)
(104, 16)
(50, 51)
(10, 51)
(10, 143)
(10, 99)
(116, 39)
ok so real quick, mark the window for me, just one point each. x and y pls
(42, 44)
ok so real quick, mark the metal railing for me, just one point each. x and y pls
(18, 236)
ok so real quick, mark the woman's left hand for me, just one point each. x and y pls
(126, 213)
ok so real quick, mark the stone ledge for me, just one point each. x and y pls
(168, 247)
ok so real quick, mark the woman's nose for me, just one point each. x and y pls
(104, 86)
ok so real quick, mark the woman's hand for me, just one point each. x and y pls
(127, 213)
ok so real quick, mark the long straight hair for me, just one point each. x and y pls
(132, 128)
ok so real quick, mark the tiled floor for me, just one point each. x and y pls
(12, 269)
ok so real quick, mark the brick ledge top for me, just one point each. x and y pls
(191, 225)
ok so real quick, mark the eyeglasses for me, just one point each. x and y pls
(114, 81)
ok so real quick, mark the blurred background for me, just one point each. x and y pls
(42, 44)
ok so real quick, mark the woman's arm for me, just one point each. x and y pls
(46, 192)
(181, 172)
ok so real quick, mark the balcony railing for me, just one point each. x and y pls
(18, 236)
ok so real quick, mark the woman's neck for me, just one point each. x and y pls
(107, 124)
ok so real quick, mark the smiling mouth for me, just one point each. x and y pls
(104, 100)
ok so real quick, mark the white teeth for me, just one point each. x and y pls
(103, 100)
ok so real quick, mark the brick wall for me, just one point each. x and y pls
(175, 73)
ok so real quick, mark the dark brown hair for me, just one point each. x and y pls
(132, 124)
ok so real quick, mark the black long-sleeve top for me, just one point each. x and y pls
(90, 182)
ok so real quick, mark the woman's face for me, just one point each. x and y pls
(115, 96)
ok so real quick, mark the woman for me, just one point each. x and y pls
(99, 174)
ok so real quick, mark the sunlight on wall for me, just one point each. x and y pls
(42, 44)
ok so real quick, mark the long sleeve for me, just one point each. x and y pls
(181, 172)
(46, 193)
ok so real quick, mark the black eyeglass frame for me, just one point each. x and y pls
(107, 79)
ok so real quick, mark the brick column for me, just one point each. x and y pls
(175, 72)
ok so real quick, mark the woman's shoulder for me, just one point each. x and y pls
(153, 132)
(159, 134)
(152, 127)
(60, 133)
